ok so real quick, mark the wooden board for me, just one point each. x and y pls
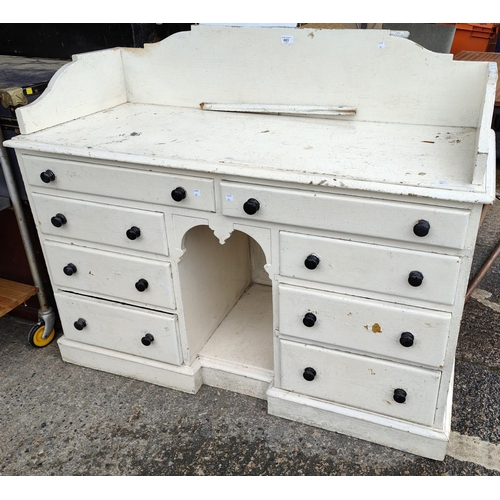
(13, 294)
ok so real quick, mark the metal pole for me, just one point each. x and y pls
(45, 311)
(482, 272)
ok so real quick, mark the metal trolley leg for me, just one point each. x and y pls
(42, 333)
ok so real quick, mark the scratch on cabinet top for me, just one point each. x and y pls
(343, 154)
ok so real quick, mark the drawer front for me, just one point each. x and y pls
(384, 329)
(111, 275)
(370, 267)
(122, 183)
(107, 224)
(120, 328)
(348, 214)
(360, 381)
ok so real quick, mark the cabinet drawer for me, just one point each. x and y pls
(120, 328)
(348, 214)
(110, 274)
(122, 183)
(370, 267)
(384, 329)
(107, 224)
(360, 381)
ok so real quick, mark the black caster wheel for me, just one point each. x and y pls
(35, 335)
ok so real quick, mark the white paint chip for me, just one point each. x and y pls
(483, 297)
(229, 197)
(472, 449)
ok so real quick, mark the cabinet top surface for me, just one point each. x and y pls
(424, 160)
(413, 122)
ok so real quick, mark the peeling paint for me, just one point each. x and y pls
(376, 328)
(483, 297)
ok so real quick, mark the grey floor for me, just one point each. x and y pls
(60, 419)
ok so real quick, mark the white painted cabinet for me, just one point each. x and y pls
(310, 246)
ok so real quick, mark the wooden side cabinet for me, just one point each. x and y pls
(292, 221)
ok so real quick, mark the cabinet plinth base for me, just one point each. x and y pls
(243, 381)
(181, 378)
(405, 436)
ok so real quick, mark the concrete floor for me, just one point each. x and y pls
(59, 419)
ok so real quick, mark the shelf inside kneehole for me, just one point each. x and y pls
(227, 303)
(244, 337)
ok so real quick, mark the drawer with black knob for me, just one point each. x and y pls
(116, 276)
(106, 224)
(122, 328)
(122, 183)
(388, 270)
(375, 385)
(387, 219)
(383, 329)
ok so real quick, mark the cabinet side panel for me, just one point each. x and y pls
(91, 83)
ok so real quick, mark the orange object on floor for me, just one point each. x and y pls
(473, 36)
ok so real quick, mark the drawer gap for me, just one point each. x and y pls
(128, 304)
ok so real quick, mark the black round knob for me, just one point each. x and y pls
(58, 220)
(406, 339)
(421, 228)
(399, 395)
(147, 339)
(133, 233)
(80, 324)
(251, 206)
(48, 176)
(415, 278)
(312, 261)
(309, 319)
(69, 270)
(309, 374)
(141, 285)
(178, 194)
